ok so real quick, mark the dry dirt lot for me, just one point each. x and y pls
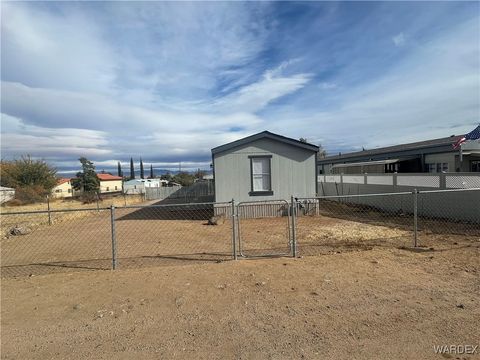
(360, 291)
(159, 236)
(383, 303)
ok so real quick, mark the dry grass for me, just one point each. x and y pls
(60, 204)
(35, 221)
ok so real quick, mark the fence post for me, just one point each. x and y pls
(114, 240)
(294, 227)
(48, 209)
(415, 217)
(234, 232)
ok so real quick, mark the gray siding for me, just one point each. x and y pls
(293, 171)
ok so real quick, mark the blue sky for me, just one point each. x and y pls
(169, 81)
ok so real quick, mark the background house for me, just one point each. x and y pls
(63, 189)
(110, 183)
(264, 166)
(137, 186)
(6, 194)
(435, 156)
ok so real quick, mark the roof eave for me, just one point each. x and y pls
(261, 135)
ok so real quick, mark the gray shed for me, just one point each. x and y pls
(264, 166)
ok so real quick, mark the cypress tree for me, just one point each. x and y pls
(132, 169)
(119, 170)
(152, 175)
(142, 174)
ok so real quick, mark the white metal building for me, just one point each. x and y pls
(137, 186)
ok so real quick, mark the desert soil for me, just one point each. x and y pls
(370, 302)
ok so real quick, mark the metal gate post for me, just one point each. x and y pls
(234, 232)
(415, 217)
(114, 240)
(294, 227)
(48, 208)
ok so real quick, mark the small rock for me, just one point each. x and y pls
(77, 306)
(19, 230)
(314, 293)
(374, 261)
(180, 301)
(260, 283)
(460, 306)
(216, 220)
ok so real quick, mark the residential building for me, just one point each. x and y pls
(137, 186)
(6, 194)
(63, 189)
(435, 156)
(110, 183)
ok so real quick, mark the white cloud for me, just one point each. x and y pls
(328, 85)
(399, 39)
(256, 96)
(20, 138)
(433, 92)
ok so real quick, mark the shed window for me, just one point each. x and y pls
(261, 175)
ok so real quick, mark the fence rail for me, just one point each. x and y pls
(130, 236)
(347, 184)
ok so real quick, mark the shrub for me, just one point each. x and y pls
(30, 194)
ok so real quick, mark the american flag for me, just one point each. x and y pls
(472, 135)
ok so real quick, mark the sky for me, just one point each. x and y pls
(169, 81)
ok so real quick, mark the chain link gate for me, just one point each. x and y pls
(264, 228)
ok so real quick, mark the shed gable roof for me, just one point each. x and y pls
(263, 135)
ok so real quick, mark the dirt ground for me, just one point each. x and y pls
(359, 290)
(382, 303)
(155, 236)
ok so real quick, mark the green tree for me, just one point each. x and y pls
(32, 179)
(184, 178)
(166, 176)
(142, 173)
(152, 175)
(86, 179)
(322, 153)
(199, 174)
(119, 169)
(132, 169)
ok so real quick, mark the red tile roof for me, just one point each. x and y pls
(108, 177)
(62, 181)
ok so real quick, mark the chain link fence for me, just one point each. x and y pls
(38, 242)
